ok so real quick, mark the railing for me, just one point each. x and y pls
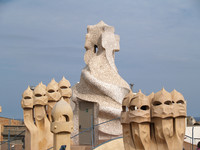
(10, 140)
(192, 138)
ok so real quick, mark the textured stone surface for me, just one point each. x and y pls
(65, 89)
(100, 81)
(116, 144)
(53, 96)
(62, 124)
(154, 122)
(37, 106)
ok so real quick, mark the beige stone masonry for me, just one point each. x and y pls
(100, 82)
(154, 122)
(65, 89)
(62, 124)
(37, 105)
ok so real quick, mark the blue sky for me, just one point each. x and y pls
(44, 39)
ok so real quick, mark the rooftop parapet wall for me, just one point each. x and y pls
(9, 121)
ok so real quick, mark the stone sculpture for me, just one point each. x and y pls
(44, 138)
(62, 124)
(37, 106)
(65, 89)
(27, 105)
(162, 118)
(154, 122)
(127, 134)
(139, 116)
(53, 96)
(100, 82)
(179, 117)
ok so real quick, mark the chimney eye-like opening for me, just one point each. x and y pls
(133, 107)
(63, 87)
(95, 48)
(145, 107)
(180, 102)
(168, 102)
(38, 95)
(156, 103)
(66, 118)
(51, 91)
(27, 97)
